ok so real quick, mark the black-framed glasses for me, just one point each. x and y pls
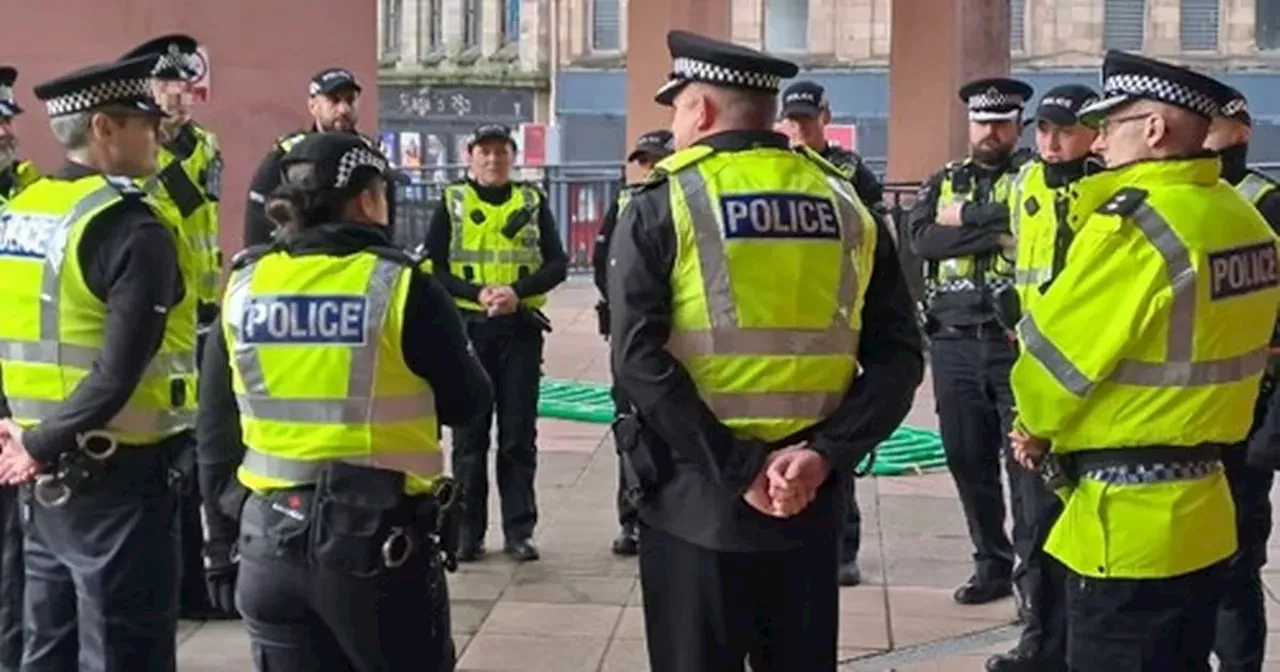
(1105, 125)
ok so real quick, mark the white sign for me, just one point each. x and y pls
(200, 86)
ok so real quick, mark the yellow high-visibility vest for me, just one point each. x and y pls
(25, 173)
(964, 273)
(319, 373)
(52, 328)
(772, 353)
(1155, 334)
(485, 248)
(189, 187)
(1037, 215)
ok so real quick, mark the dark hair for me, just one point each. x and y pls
(301, 201)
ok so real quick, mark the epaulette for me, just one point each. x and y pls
(397, 255)
(124, 185)
(1124, 202)
(250, 254)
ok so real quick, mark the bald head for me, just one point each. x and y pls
(702, 109)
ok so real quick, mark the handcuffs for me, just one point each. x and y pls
(399, 545)
(54, 490)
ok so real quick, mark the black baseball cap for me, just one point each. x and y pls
(333, 79)
(804, 99)
(491, 132)
(1061, 105)
(655, 144)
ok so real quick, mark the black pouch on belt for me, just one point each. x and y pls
(353, 516)
(643, 468)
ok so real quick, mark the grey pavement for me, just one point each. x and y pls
(578, 609)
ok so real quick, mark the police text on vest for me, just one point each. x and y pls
(779, 216)
(26, 235)
(305, 320)
(1242, 270)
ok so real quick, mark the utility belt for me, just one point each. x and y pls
(101, 464)
(987, 331)
(355, 521)
(1131, 466)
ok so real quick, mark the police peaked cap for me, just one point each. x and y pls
(335, 158)
(9, 107)
(1236, 107)
(995, 98)
(1128, 78)
(697, 58)
(175, 56)
(124, 84)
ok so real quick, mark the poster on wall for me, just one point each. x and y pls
(410, 150)
(387, 145)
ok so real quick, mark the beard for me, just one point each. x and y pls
(8, 152)
(991, 155)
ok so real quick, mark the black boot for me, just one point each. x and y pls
(627, 543)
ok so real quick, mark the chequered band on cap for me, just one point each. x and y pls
(1235, 106)
(6, 94)
(176, 60)
(692, 69)
(355, 158)
(1162, 90)
(993, 99)
(99, 94)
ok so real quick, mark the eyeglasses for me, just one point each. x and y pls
(1105, 125)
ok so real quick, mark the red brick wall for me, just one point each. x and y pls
(263, 53)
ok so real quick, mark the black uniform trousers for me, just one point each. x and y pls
(194, 596)
(1043, 583)
(627, 515)
(11, 580)
(102, 571)
(305, 618)
(1151, 625)
(511, 352)
(851, 534)
(1242, 615)
(707, 610)
(975, 413)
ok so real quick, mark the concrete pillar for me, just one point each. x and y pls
(965, 39)
(649, 62)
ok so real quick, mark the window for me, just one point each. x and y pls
(1124, 24)
(431, 28)
(471, 23)
(1266, 30)
(392, 10)
(605, 25)
(510, 21)
(1017, 25)
(1198, 30)
(786, 25)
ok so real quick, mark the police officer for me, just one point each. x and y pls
(650, 148)
(97, 353)
(738, 349)
(333, 101)
(343, 360)
(1043, 222)
(494, 244)
(187, 179)
(1139, 366)
(960, 227)
(1242, 616)
(805, 114)
(15, 175)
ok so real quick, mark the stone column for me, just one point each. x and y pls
(963, 39)
(648, 60)
(452, 21)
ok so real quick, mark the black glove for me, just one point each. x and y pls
(220, 570)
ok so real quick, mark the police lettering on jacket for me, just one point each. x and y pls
(24, 235)
(1242, 270)
(305, 320)
(779, 216)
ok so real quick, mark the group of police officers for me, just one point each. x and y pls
(1099, 315)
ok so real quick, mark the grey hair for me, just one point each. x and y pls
(72, 130)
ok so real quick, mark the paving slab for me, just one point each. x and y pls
(579, 608)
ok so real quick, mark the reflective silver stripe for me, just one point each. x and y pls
(133, 420)
(1031, 276)
(525, 256)
(1053, 359)
(1211, 372)
(802, 405)
(455, 197)
(81, 357)
(683, 344)
(424, 463)
(360, 406)
(51, 279)
(1252, 187)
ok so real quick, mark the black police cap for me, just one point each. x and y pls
(1127, 78)
(655, 144)
(1061, 105)
(804, 99)
(335, 158)
(696, 58)
(9, 107)
(125, 83)
(491, 132)
(330, 80)
(1236, 107)
(175, 54)
(995, 98)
